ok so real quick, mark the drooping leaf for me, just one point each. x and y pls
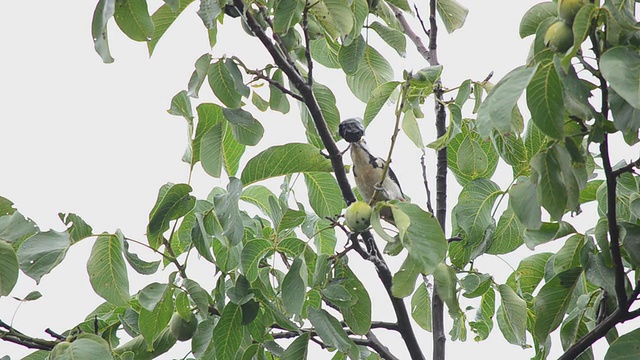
(252, 253)
(152, 322)
(512, 316)
(621, 67)
(173, 202)
(162, 18)
(373, 71)
(421, 307)
(245, 128)
(508, 235)
(285, 159)
(40, 253)
(227, 334)
(208, 12)
(298, 349)
(552, 301)
(529, 273)
(552, 191)
(495, 110)
(325, 196)
(294, 287)
(378, 99)
(523, 199)
(424, 238)
(8, 268)
(330, 331)
(107, 270)
(624, 347)
(334, 16)
(392, 37)
(452, 14)
(545, 101)
(132, 17)
(535, 15)
(223, 85)
(102, 14)
(350, 56)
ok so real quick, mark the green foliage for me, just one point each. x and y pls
(276, 261)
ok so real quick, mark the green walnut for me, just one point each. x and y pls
(559, 37)
(358, 216)
(567, 9)
(182, 329)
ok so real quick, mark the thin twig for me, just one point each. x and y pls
(426, 181)
(307, 43)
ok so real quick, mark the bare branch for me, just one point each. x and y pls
(14, 336)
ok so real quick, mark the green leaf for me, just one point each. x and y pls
(297, 349)
(325, 196)
(379, 97)
(523, 199)
(626, 118)
(552, 192)
(173, 202)
(411, 129)
(569, 255)
(452, 14)
(15, 228)
(245, 128)
(101, 15)
(252, 253)
(132, 17)
(277, 99)
(211, 150)
(552, 302)
(588, 194)
(392, 37)
(620, 66)
(152, 322)
(325, 52)
(547, 232)
(8, 268)
(472, 160)
(508, 235)
(358, 315)
(327, 101)
(227, 335)
(424, 239)
(350, 56)
(208, 12)
(495, 110)
(512, 316)
(421, 307)
(545, 101)
(199, 295)
(40, 253)
(373, 71)
(108, 271)
(294, 287)
(285, 159)
(286, 14)
(624, 347)
(474, 214)
(536, 15)
(468, 140)
(151, 295)
(404, 281)
(77, 228)
(334, 16)
(331, 332)
(162, 19)
(228, 213)
(86, 346)
(446, 282)
(258, 195)
(360, 11)
(483, 323)
(529, 273)
(223, 85)
(198, 77)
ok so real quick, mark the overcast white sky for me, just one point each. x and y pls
(80, 136)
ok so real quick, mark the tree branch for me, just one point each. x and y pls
(308, 98)
(14, 336)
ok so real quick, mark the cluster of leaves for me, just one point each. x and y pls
(552, 170)
(269, 281)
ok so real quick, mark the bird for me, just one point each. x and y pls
(367, 168)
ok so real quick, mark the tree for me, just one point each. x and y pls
(581, 83)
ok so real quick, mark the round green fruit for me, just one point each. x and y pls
(358, 216)
(559, 37)
(567, 9)
(183, 330)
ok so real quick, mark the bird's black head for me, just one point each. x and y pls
(351, 130)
